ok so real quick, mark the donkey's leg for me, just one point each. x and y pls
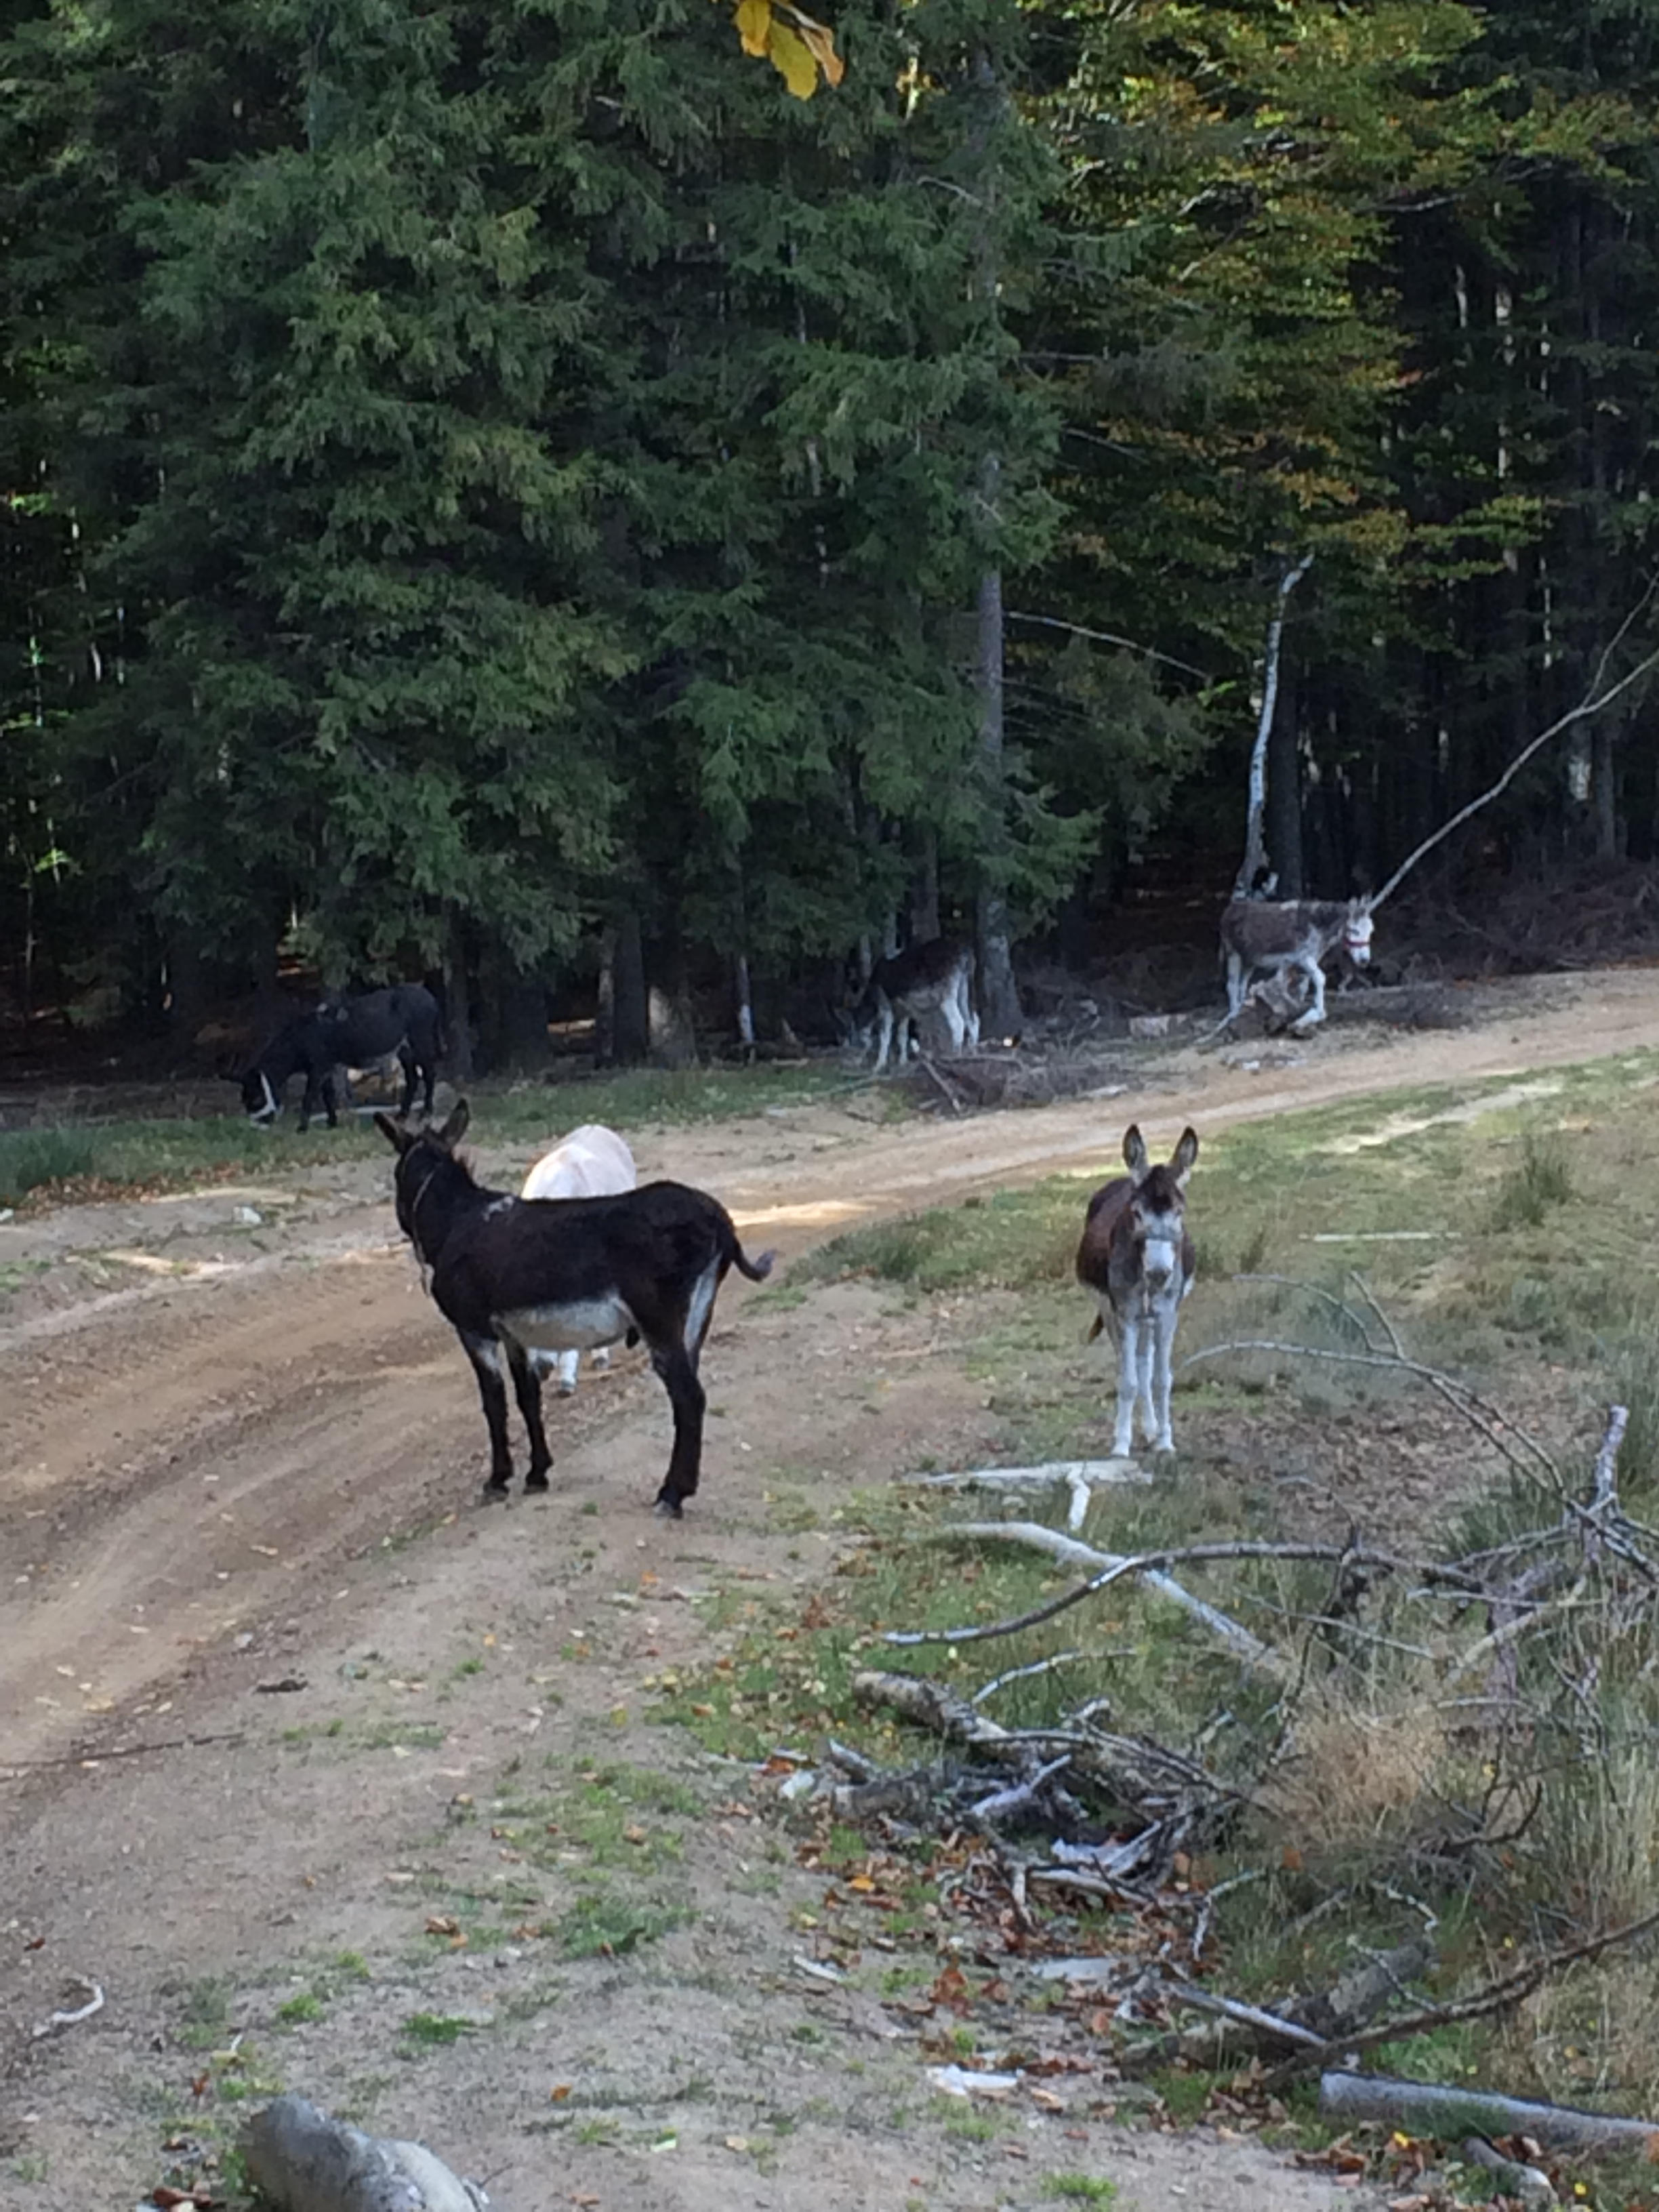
(686, 1393)
(567, 1363)
(1128, 1361)
(1235, 985)
(527, 1388)
(884, 1032)
(1163, 1374)
(1145, 1366)
(485, 1354)
(406, 1062)
(428, 1071)
(1316, 975)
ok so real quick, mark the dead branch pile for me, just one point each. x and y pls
(1591, 916)
(980, 1082)
(1512, 1643)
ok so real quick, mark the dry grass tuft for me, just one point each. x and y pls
(1356, 1778)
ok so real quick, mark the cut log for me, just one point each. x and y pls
(1424, 2108)
(303, 2161)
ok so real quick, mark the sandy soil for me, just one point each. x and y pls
(239, 1448)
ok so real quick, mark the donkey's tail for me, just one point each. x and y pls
(756, 1270)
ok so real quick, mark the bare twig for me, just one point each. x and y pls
(1035, 1537)
(1147, 1563)
(1023, 1674)
(16, 1770)
(1457, 1394)
(1593, 703)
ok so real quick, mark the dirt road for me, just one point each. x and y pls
(216, 1413)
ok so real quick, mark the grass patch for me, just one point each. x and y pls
(297, 2012)
(1537, 1182)
(30, 1158)
(1080, 2188)
(602, 1924)
(434, 2031)
(77, 1157)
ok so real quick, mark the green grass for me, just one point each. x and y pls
(31, 1158)
(601, 1924)
(174, 1153)
(297, 2012)
(1080, 2188)
(434, 2031)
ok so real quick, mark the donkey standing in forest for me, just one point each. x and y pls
(592, 1161)
(401, 1023)
(515, 1276)
(1138, 1258)
(935, 978)
(1280, 934)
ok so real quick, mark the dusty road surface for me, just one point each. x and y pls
(239, 1449)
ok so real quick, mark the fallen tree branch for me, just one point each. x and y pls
(1144, 1563)
(1495, 1996)
(1427, 2108)
(1035, 1537)
(1078, 1476)
(1314, 2022)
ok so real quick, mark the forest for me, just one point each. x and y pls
(521, 494)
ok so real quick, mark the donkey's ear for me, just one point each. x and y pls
(1134, 1150)
(395, 1134)
(1185, 1153)
(455, 1127)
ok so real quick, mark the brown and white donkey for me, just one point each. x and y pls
(1138, 1259)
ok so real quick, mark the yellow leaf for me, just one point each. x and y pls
(792, 58)
(820, 40)
(754, 23)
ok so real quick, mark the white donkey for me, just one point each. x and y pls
(935, 978)
(1277, 934)
(1138, 1258)
(592, 1161)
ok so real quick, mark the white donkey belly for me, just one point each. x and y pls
(573, 1325)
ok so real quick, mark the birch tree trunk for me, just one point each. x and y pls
(1255, 847)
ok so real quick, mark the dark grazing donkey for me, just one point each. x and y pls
(1138, 1258)
(515, 1276)
(402, 1021)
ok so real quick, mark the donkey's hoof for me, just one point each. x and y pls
(535, 1485)
(494, 1492)
(669, 1509)
(566, 1390)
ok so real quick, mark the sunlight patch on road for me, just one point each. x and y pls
(1410, 1125)
(821, 1213)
